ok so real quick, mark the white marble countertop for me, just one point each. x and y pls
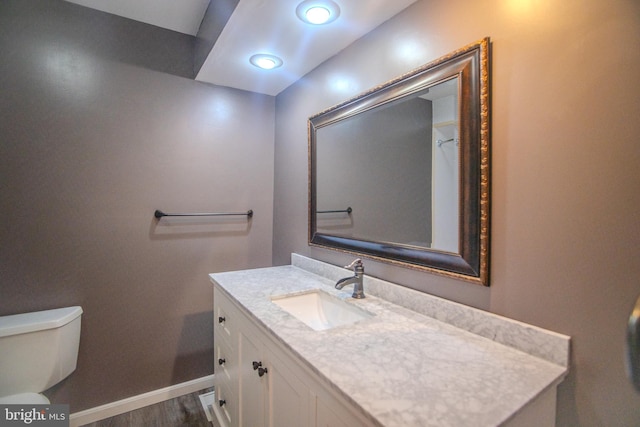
(400, 367)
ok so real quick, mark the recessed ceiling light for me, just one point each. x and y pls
(317, 15)
(265, 61)
(318, 12)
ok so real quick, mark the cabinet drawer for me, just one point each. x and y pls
(225, 322)
(226, 366)
(226, 406)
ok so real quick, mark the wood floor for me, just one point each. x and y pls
(183, 411)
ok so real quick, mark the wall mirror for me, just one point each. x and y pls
(401, 173)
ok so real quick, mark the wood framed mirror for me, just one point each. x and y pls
(401, 173)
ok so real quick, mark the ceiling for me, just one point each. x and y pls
(260, 26)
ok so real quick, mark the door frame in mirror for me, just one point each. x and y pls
(471, 65)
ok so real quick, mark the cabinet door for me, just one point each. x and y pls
(289, 397)
(331, 413)
(326, 417)
(252, 386)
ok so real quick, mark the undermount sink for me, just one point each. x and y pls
(319, 310)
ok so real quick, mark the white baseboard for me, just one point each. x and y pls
(136, 402)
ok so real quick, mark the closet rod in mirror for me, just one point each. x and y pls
(348, 210)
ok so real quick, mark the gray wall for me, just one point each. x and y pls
(565, 200)
(94, 136)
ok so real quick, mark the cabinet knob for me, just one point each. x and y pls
(222, 402)
(257, 366)
(221, 361)
(221, 319)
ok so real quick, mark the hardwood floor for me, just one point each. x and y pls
(183, 411)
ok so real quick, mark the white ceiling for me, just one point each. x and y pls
(260, 26)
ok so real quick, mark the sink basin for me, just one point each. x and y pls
(319, 310)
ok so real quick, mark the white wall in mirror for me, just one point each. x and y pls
(446, 167)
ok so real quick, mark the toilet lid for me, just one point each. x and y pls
(37, 321)
(29, 398)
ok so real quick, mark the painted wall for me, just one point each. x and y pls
(95, 134)
(565, 200)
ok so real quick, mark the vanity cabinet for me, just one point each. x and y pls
(395, 368)
(260, 383)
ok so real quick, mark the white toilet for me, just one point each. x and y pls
(37, 351)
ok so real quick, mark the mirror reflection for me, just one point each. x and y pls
(405, 155)
(401, 173)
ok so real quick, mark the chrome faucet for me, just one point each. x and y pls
(356, 279)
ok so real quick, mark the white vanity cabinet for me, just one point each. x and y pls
(443, 365)
(259, 383)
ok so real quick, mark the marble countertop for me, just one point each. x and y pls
(400, 367)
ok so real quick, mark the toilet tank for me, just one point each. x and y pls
(38, 350)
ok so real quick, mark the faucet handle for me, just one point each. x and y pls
(356, 264)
